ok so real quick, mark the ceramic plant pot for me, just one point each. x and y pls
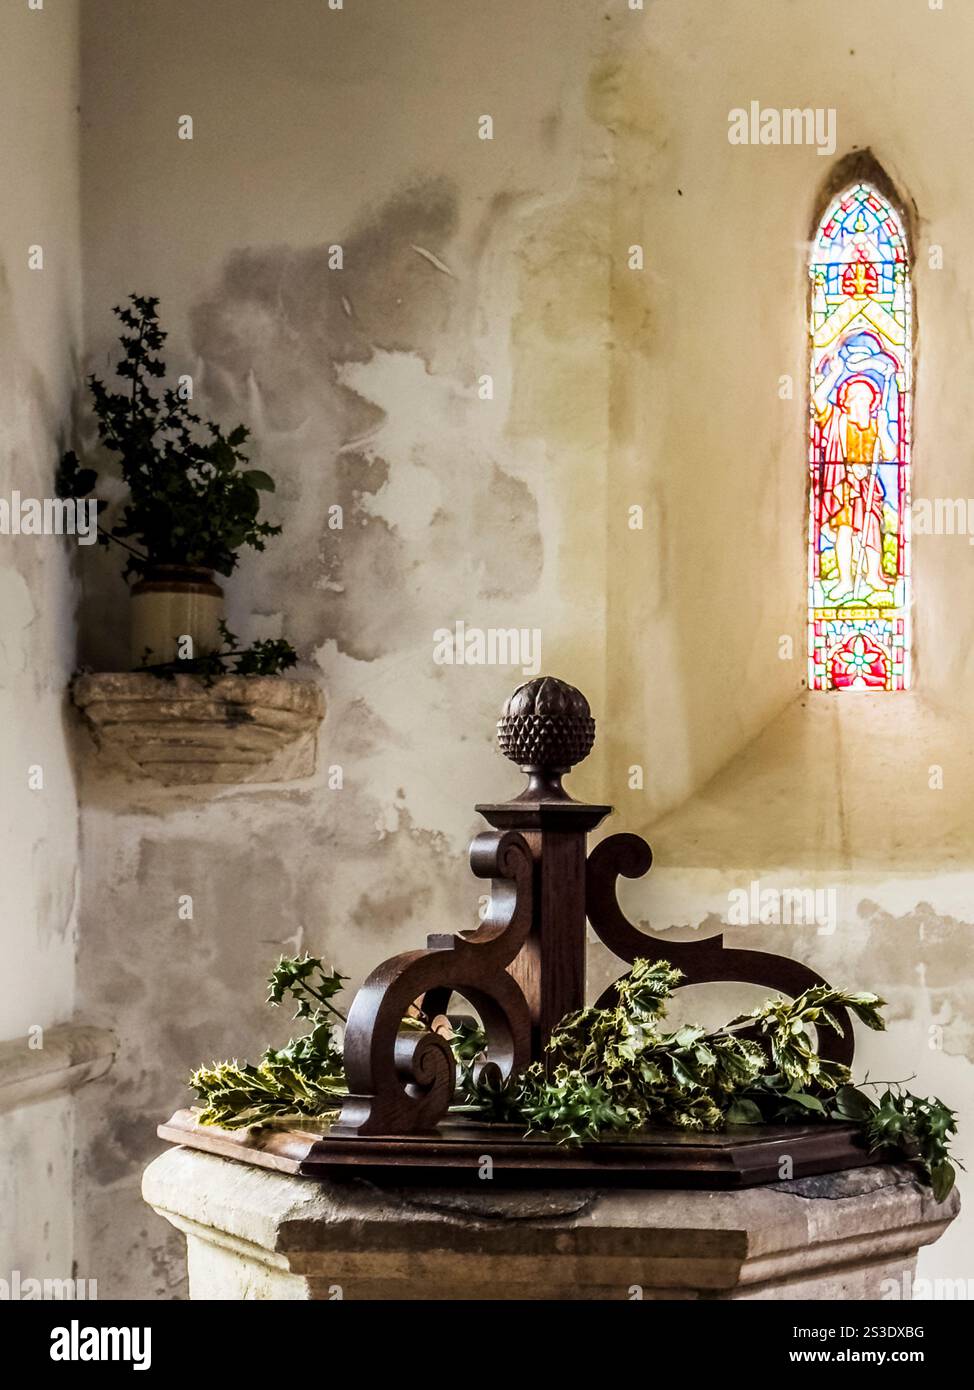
(169, 604)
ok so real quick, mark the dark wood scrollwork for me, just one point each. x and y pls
(702, 962)
(523, 969)
(401, 1080)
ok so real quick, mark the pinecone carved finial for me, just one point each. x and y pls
(546, 727)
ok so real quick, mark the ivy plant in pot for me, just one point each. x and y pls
(193, 503)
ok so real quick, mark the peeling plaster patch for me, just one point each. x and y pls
(919, 961)
(490, 527)
(334, 366)
(923, 922)
(382, 745)
(361, 729)
(360, 472)
(400, 820)
(400, 384)
(283, 314)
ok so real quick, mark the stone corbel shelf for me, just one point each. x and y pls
(185, 733)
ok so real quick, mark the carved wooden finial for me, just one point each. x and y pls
(546, 727)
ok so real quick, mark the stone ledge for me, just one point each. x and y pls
(258, 1234)
(71, 1055)
(186, 733)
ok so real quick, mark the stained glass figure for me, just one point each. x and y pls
(859, 451)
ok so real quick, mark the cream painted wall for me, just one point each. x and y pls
(699, 601)
(311, 128)
(749, 780)
(612, 388)
(40, 314)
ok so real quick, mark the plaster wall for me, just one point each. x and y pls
(700, 600)
(868, 802)
(612, 388)
(40, 316)
(463, 259)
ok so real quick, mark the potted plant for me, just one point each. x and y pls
(193, 500)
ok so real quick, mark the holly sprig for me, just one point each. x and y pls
(193, 498)
(306, 1077)
(611, 1070)
(268, 656)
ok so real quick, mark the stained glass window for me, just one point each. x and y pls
(859, 451)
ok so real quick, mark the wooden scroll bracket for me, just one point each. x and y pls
(702, 962)
(402, 1081)
(523, 968)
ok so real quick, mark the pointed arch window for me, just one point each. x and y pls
(861, 379)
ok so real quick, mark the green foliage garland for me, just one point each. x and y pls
(611, 1071)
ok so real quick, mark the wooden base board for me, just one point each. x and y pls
(743, 1156)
